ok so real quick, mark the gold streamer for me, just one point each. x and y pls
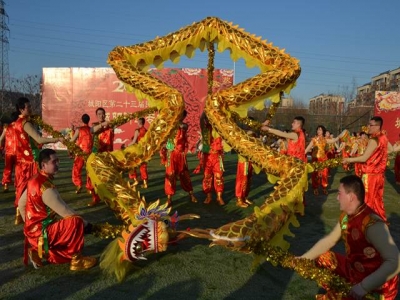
(306, 268)
(272, 110)
(210, 66)
(253, 124)
(125, 118)
(72, 147)
(330, 163)
(107, 231)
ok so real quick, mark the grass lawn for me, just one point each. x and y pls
(187, 270)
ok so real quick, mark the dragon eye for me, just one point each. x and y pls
(139, 248)
(166, 221)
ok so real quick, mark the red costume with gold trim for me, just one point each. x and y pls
(362, 258)
(297, 148)
(373, 177)
(10, 154)
(346, 150)
(330, 151)
(176, 164)
(361, 146)
(85, 142)
(26, 152)
(59, 240)
(319, 155)
(212, 161)
(103, 141)
(345, 154)
(243, 177)
(143, 166)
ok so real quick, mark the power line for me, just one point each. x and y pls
(324, 57)
(4, 72)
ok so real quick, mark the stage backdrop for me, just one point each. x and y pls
(387, 106)
(70, 92)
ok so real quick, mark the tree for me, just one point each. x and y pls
(348, 92)
(28, 86)
(357, 116)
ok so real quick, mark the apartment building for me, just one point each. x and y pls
(286, 102)
(326, 104)
(385, 81)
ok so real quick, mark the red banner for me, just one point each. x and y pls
(387, 106)
(70, 92)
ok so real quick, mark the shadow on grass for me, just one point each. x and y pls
(188, 269)
(391, 179)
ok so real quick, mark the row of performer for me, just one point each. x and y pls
(368, 152)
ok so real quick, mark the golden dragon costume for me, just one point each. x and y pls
(279, 72)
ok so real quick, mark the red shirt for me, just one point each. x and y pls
(181, 140)
(297, 148)
(85, 139)
(36, 210)
(376, 163)
(362, 257)
(142, 132)
(11, 140)
(105, 139)
(24, 149)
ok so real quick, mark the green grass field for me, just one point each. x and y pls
(187, 270)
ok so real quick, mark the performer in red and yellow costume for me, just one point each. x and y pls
(46, 238)
(358, 149)
(174, 159)
(330, 148)
(373, 168)
(318, 145)
(397, 164)
(243, 180)
(296, 139)
(27, 150)
(372, 258)
(282, 144)
(139, 133)
(213, 153)
(84, 140)
(103, 141)
(10, 150)
(103, 133)
(344, 149)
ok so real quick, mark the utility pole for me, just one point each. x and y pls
(4, 71)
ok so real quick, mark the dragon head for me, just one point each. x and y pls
(149, 237)
(153, 233)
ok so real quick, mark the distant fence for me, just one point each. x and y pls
(336, 123)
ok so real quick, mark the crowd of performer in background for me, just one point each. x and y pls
(36, 197)
(364, 152)
(356, 151)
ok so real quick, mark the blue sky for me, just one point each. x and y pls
(339, 43)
